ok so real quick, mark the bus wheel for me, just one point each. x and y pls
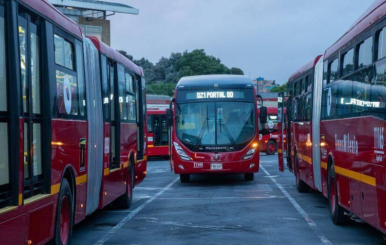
(337, 212)
(249, 176)
(184, 178)
(301, 186)
(271, 147)
(124, 202)
(64, 215)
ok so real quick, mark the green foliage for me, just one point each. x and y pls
(236, 71)
(162, 77)
(281, 88)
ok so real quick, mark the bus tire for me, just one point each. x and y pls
(249, 177)
(64, 215)
(184, 178)
(124, 202)
(301, 186)
(337, 212)
(271, 148)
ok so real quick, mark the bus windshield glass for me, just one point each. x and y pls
(216, 126)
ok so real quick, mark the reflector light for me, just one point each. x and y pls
(181, 167)
(252, 165)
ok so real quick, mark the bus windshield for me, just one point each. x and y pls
(216, 126)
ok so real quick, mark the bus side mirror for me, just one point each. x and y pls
(169, 117)
(263, 115)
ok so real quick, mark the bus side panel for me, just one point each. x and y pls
(66, 150)
(14, 231)
(355, 158)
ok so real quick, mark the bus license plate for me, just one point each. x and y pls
(216, 166)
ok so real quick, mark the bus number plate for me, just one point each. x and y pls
(198, 165)
(216, 166)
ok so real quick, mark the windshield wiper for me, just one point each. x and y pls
(206, 123)
(227, 133)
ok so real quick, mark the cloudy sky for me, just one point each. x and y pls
(267, 38)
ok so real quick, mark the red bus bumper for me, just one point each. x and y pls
(237, 167)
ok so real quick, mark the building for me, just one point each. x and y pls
(264, 86)
(92, 15)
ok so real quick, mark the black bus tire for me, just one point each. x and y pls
(124, 202)
(64, 215)
(249, 176)
(271, 147)
(301, 186)
(337, 211)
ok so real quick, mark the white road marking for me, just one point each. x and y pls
(133, 213)
(307, 218)
(212, 198)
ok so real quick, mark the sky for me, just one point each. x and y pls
(265, 38)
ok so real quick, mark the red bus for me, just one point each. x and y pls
(214, 126)
(269, 136)
(158, 133)
(60, 160)
(338, 121)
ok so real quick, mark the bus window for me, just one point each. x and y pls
(66, 78)
(378, 91)
(330, 101)
(105, 88)
(365, 53)
(308, 107)
(130, 98)
(4, 160)
(121, 92)
(308, 84)
(150, 123)
(381, 43)
(333, 71)
(348, 62)
(301, 86)
(81, 84)
(345, 97)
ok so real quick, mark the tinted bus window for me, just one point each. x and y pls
(378, 91)
(330, 101)
(308, 107)
(381, 42)
(105, 88)
(333, 71)
(4, 162)
(365, 53)
(81, 84)
(150, 124)
(63, 52)
(348, 62)
(121, 92)
(130, 97)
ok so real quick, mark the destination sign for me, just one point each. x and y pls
(215, 95)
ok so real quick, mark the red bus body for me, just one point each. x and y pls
(187, 108)
(269, 135)
(55, 139)
(157, 138)
(158, 132)
(337, 147)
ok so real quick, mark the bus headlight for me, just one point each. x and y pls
(181, 152)
(249, 154)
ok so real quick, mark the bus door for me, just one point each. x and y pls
(141, 114)
(283, 127)
(280, 129)
(160, 130)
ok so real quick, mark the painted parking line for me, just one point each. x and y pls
(133, 213)
(301, 211)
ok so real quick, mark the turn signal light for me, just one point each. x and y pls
(323, 144)
(254, 145)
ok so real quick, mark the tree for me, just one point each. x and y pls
(278, 89)
(237, 71)
(162, 77)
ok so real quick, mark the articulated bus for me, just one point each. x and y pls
(71, 124)
(157, 128)
(269, 135)
(214, 126)
(337, 122)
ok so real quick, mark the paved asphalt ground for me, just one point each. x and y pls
(221, 209)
